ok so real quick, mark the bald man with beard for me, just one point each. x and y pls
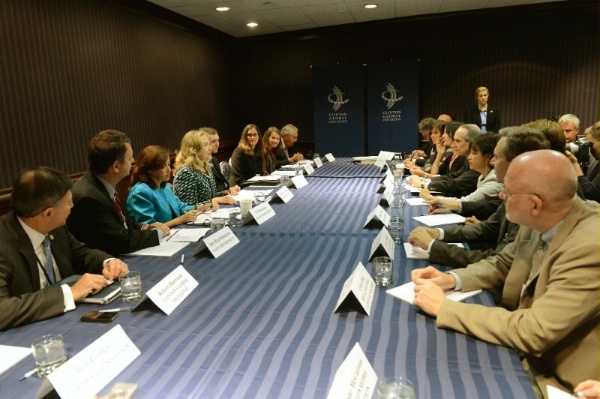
(548, 277)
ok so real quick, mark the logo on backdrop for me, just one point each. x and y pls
(336, 98)
(391, 96)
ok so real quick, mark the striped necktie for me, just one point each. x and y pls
(118, 204)
(49, 265)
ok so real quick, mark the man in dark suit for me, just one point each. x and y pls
(221, 181)
(37, 250)
(482, 115)
(98, 218)
(493, 234)
(289, 135)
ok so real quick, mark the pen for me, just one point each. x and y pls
(115, 310)
(182, 259)
(27, 374)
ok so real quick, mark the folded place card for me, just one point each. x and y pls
(440, 219)
(318, 162)
(329, 157)
(299, 181)
(308, 168)
(86, 373)
(377, 217)
(388, 197)
(383, 245)
(357, 292)
(282, 195)
(406, 292)
(169, 292)
(355, 379)
(260, 213)
(218, 243)
(387, 155)
(381, 164)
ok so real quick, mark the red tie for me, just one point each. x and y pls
(118, 204)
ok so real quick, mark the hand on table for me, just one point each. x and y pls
(88, 284)
(421, 237)
(114, 268)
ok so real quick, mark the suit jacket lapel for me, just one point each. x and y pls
(25, 249)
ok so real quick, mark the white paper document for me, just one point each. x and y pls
(406, 292)
(416, 201)
(265, 178)
(165, 249)
(555, 393)
(280, 172)
(186, 235)
(86, 373)
(420, 253)
(440, 219)
(11, 355)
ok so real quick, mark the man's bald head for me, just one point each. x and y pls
(545, 173)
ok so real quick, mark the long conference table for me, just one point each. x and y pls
(261, 323)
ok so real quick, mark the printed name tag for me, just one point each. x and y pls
(86, 373)
(329, 157)
(308, 168)
(318, 163)
(172, 290)
(299, 181)
(262, 213)
(219, 242)
(357, 292)
(355, 378)
(378, 214)
(383, 245)
(285, 194)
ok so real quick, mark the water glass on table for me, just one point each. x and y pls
(259, 197)
(395, 388)
(49, 353)
(382, 271)
(131, 286)
(235, 217)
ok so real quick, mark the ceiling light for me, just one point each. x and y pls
(371, 6)
(252, 24)
(221, 9)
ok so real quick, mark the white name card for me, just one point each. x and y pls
(86, 373)
(389, 175)
(318, 162)
(357, 292)
(329, 157)
(388, 196)
(262, 213)
(378, 214)
(170, 292)
(355, 379)
(218, 243)
(299, 181)
(383, 245)
(387, 155)
(308, 168)
(388, 183)
(380, 163)
(284, 194)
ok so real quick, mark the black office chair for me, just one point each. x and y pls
(225, 169)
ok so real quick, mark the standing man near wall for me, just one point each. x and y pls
(97, 217)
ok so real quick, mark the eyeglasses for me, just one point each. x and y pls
(506, 194)
(251, 134)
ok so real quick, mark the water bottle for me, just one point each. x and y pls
(396, 221)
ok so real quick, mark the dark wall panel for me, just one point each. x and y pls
(536, 62)
(72, 68)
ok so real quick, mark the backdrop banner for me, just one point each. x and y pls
(339, 109)
(393, 106)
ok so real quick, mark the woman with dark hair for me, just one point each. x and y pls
(246, 160)
(273, 155)
(435, 136)
(151, 198)
(482, 152)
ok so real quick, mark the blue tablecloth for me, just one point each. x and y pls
(261, 323)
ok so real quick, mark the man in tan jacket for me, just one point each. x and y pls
(550, 287)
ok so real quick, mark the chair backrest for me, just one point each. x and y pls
(225, 169)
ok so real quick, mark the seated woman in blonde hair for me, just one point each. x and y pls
(194, 183)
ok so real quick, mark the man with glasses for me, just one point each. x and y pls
(489, 237)
(548, 277)
(289, 135)
(99, 216)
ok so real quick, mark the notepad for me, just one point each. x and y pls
(108, 294)
(419, 253)
(440, 219)
(406, 292)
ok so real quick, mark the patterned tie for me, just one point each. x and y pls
(48, 255)
(537, 259)
(118, 204)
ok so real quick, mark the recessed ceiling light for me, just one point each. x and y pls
(223, 9)
(252, 24)
(371, 6)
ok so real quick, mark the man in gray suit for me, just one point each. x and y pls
(548, 277)
(37, 250)
(493, 234)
